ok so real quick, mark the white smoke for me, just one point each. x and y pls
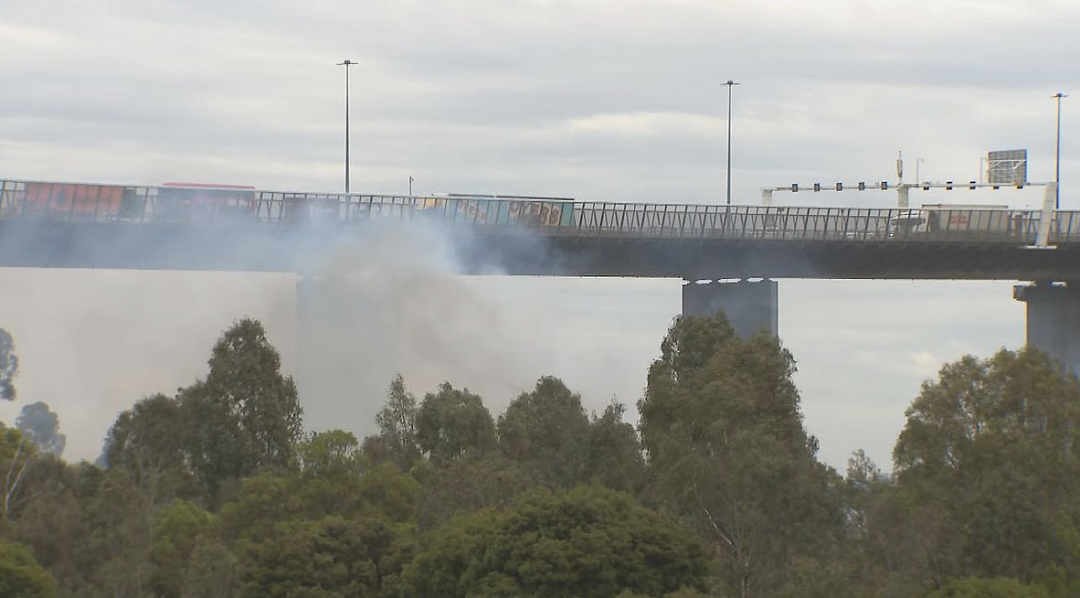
(395, 300)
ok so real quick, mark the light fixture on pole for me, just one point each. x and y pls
(1057, 153)
(346, 63)
(729, 84)
(410, 185)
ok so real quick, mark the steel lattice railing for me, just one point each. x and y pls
(208, 205)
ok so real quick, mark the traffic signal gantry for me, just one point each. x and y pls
(902, 189)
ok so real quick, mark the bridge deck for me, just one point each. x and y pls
(110, 226)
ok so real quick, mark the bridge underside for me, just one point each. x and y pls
(283, 249)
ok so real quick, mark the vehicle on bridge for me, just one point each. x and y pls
(959, 220)
(194, 202)
(36, 199)
(499, 209)
(198, 203)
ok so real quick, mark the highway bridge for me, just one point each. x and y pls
(211, 227)
(235, 228)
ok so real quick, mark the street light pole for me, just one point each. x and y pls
(346, 63)
(1057, 154)
(729, 84)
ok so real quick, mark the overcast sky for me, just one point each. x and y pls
(598, 100)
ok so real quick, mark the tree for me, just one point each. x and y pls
(388, 494)
(721, 425)
(53, 522)
(20, 575)
(149, 441)
(330, 454)
(613, 455)
(467, 485)
(589, 542)
(998, 587)
(331, 466)
(180, 527)
(42, 427)
(9, 366)
(454, 424)
(211, 572)
(992, 450)
(548, 430)
(120, 516)
(331, 558)
(16, 455)
(396, 441)
(264, 500)
(246, 416)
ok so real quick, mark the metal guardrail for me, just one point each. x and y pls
(559, 217)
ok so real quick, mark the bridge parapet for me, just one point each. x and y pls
(208, 205)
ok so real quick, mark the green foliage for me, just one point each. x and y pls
(613, 454)
(20, 575)
(389, 494)
(330, 558)
(997, 587)
(397, 440)
(16, 459)
(464, 486)
(245, 417)
(382, 493)
(547, 429)
(454, 424)
(180, 527)
(9, 366)
(149, 441)
(721, 424)
(215, 493)
(588, 542)
(332, 454)
(263, 501)
(211, 573)
(53, 521)
(120, 517)
(42, 427)
(991, 453)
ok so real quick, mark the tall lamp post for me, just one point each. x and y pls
(346, 63)
(1057, 154)
(729, 84)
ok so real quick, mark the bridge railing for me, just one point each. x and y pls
(545, 216)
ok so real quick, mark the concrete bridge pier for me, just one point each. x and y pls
(347, 352)
(749, 305)
(1053, 319)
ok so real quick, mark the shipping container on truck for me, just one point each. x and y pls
(501, 210)
(77, 201)
(972, 219)
(193, 202)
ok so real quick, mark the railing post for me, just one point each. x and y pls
(902, 195)
(1042, 239)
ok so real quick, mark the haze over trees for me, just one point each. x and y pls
(9, 366)
(41, 426)
(216, 492)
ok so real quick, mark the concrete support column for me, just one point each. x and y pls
(748, 305)
(347, 352)
(1053, 319)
